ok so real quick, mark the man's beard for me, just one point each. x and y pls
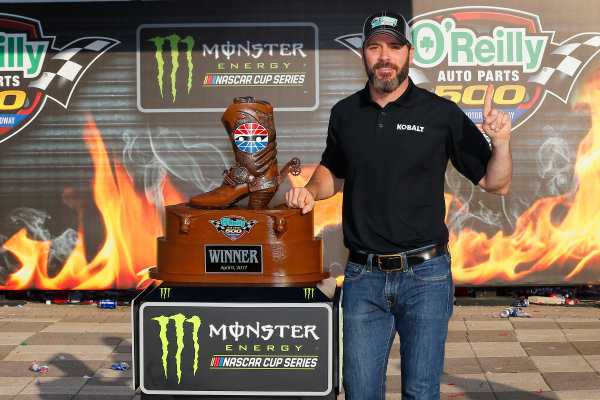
(388, 85)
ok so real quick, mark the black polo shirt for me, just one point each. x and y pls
(394, 160)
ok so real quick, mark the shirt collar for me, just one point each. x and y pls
(407, 99)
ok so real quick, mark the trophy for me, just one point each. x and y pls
(212, 241)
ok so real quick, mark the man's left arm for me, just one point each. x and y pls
(497, 125)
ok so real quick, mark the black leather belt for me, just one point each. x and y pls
(393, 262)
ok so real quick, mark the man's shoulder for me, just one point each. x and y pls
(424, 96)
(352, 101)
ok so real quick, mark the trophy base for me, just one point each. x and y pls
(237, 246)
(277, 281)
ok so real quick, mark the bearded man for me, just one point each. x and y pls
(388, 146)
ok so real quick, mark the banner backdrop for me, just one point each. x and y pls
(109, 111)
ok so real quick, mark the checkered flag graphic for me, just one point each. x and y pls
(352, 41)
(565, 62)
(63, 71)
(217, 224)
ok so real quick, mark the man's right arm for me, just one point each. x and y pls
(322, 185)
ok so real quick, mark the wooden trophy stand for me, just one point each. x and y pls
(237, 246)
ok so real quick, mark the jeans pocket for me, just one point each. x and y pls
(353, 271)
(436, 269)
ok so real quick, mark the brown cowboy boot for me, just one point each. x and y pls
(251, 130)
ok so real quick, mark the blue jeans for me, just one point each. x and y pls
(417, 303)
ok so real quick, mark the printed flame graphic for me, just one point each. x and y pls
(132, 224)
(537, 242)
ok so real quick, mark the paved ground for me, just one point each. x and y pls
(554, 355)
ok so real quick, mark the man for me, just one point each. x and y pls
(388, 145)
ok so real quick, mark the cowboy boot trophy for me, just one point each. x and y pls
(251, 130)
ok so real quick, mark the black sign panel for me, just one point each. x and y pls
(233, 258)
(236, 348)
(201, 67)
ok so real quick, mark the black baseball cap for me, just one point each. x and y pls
(389, 23)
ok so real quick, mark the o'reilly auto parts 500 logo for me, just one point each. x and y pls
(32, 69)
(459, 51)
(233, 226)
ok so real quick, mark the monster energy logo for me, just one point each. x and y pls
(165, 293)
(178, 320)
(173, 42)
(309, 293)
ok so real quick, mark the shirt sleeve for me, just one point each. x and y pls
(468, 149)
(333, 157)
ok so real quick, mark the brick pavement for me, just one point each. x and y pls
(554, 355)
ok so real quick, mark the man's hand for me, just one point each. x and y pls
(322, 185)
(300, 197)
(496, 124)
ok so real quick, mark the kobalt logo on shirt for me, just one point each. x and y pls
(407, 127)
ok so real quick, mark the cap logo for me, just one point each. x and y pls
(389, 21)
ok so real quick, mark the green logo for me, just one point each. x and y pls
(178, 321)
(309, 293)
(165, 292)
(464, 47)
(173, 43)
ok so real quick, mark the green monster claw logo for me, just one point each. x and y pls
(178, 320)
(174, 41)
(165, 293)
(309, 293)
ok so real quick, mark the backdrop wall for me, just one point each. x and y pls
(111, 110)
